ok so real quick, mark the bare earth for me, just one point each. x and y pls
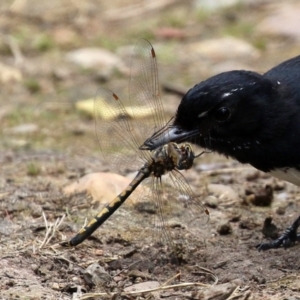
(221, 262)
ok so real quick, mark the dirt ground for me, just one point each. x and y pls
(46, 144)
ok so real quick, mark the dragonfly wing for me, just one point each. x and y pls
(116, 134)
(144, 86)
(190, 207)
(154, 226)
(170, 216)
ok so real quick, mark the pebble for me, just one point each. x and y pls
(99, 252)
(23, 128)
(142, 286)
(103, 187)
(55, 286)
(19, 143)
(224, 48)
(224, 229)
(210, 166)
(220, 291)
(269, 229)
(262, 197)
(214, 5)
(108, 112)
(279, 185)
(64, 37)
(34, 267)
(97, 274)
(211, 202)
(223, 192)
(280, 210)
(96, 58)
(283, 20)
(9, 74)
(118, 278)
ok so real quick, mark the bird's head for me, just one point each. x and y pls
(232, 107)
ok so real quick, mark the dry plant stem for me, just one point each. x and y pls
(14, 48)
(160, 288)
(50, 230)
(225, 170)
(239, 293)
(233, 296)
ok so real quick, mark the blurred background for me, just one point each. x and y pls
(54, 55)
(62, 51)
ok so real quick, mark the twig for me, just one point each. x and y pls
(55, 227)
(161, 288)
(47, 231)
(50, 229)
(236, 293)
(225, 170)
(14, 48)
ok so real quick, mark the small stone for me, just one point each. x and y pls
(97, 275)
(103, 187)
(220, 291)
(19, 143)
(209, 166)
(121, 284)
(253, 175)
(170, 33)
(64, 37)
(259, 279)
(142, 286)
(270, 230)
(282, 21)
(24, 129)
(96, 58)
(118, 278)
(137, 273)
(262, 197)
(98, 252)
(55, 286)
(220, 264)
(235, 49)
(207, 5)
(224, 229)
(9, 74)
(283, 197)
(61, 73)
(280, 210)
(211, 202)
(247, 224)
(34, 267)
(279, 185)
(223, 192)
(234, 217)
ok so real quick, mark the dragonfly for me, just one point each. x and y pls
(121, 136)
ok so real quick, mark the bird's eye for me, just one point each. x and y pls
(222, 114)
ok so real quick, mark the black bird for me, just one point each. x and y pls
(251, 117)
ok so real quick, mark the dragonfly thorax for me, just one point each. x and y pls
(169, 157)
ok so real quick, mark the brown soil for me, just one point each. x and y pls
(35, 166)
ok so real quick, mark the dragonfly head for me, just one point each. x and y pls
(182, 155)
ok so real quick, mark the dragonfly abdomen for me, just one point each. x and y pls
(108, 210)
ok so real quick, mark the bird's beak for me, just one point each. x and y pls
(169, 133)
